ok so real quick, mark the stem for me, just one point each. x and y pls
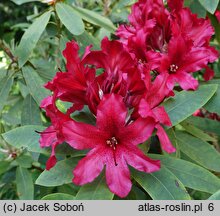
(8, 52)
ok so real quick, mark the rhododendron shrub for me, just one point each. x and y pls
(120, 113)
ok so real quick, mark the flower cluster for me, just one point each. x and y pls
(124, 84)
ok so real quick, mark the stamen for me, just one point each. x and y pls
(112, 143)
(44, 132)
(173, 68)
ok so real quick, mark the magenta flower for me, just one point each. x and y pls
(52, 136)
(113, 144)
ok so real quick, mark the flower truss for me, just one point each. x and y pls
(124, 84)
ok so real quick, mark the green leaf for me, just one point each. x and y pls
(200, 151)
(60, 174)
(25, 186)
(215, 196)
(214, 104)
(97, 190)
(24, 160)
(205, 124)
(31, 113)
(5, 87)
(161, 185)
(95, 18)
(197, 8)
(30, 38)
(4, 165)
(25, 137)
(209, 5)
(185, 103)
(70, 19)
(190, 174)
(19, 2)
(197, 132)
(58, 196)
(34, 84)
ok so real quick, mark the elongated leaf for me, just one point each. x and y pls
(24, 160)
(205, 124)
(19, 2)
(161, 185)
(197, 8)
(185, 103)
(97, 190)
(58, 196)
(209, 5)
(214, 104)
(31, 37)
(25, 137)
(70, 19)
(31, 113)
(199, 151)
(5, 86)
(58, 175)
(215, 196)
(4, 165)
(25, 186)
(190, 174)
(95, 18)
(197, 132)
(34, 84)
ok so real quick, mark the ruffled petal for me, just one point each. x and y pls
(89, 167)
(164, 140)
(187, 81)
(139, 161)
(137, 132)
(83, 136)
(118, 177)
(111, 113)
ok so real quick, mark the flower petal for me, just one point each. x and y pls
(118, 177)
(111, 113)
(139, 161)
(137, 132)
(186, 81)
(89, 167)
(82, 136)
(164, 140)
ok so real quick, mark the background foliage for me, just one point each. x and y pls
(32, 37)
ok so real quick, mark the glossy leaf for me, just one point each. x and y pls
(161, 185)
(185, 103)
(30, 38)
(200, 151)
(60, 174)
(31, 112)
(4, 165)
(5, 87)
(58, 196)
(214, 104)
(190, 174)
(19, 2)
(215, 196)
(34, 84)
(25, 186)
(97, 190)
(197, 132)
(205, 124)
(25, 137)
(209, 5)
(24, 160)
(70, 19)
(95, 18)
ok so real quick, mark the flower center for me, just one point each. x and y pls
(112, 142)
(173, 68)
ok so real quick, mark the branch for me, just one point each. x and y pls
(8, 52)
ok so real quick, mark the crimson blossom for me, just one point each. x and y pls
(113, 143)
(169, 40)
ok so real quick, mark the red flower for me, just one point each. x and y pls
(113, 143)
(52, 136)
(71, 86)
(217, 15)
